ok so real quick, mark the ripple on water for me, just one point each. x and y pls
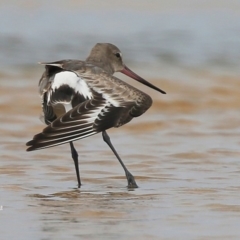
(184, 154)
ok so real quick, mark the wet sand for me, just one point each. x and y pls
(184, 153)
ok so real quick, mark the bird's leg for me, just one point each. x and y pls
(129, 176)
(75, 159)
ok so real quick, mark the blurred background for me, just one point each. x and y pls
(184, 151)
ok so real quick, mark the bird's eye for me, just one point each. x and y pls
(118, 55)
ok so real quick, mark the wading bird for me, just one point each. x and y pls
(82, 98)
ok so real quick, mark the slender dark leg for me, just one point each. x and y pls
(75, 159)
(130, 178)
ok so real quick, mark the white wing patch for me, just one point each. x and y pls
(108, 97)
(73, 81)
(67, 106)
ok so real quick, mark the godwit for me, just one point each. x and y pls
(82, 98)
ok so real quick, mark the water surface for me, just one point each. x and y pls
(184, 152)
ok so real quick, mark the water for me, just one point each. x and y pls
(166, 39)
(184, 152)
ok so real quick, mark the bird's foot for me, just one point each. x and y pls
(131, 181)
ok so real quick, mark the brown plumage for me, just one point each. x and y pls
(82, 98)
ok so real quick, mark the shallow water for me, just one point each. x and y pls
(184, 153)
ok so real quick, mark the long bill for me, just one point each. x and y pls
(133, 75)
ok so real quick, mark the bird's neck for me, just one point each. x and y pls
(105, 65)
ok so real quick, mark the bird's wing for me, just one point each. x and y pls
(86, 119)
(59, 86)
(51, 68)
(109, 107)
